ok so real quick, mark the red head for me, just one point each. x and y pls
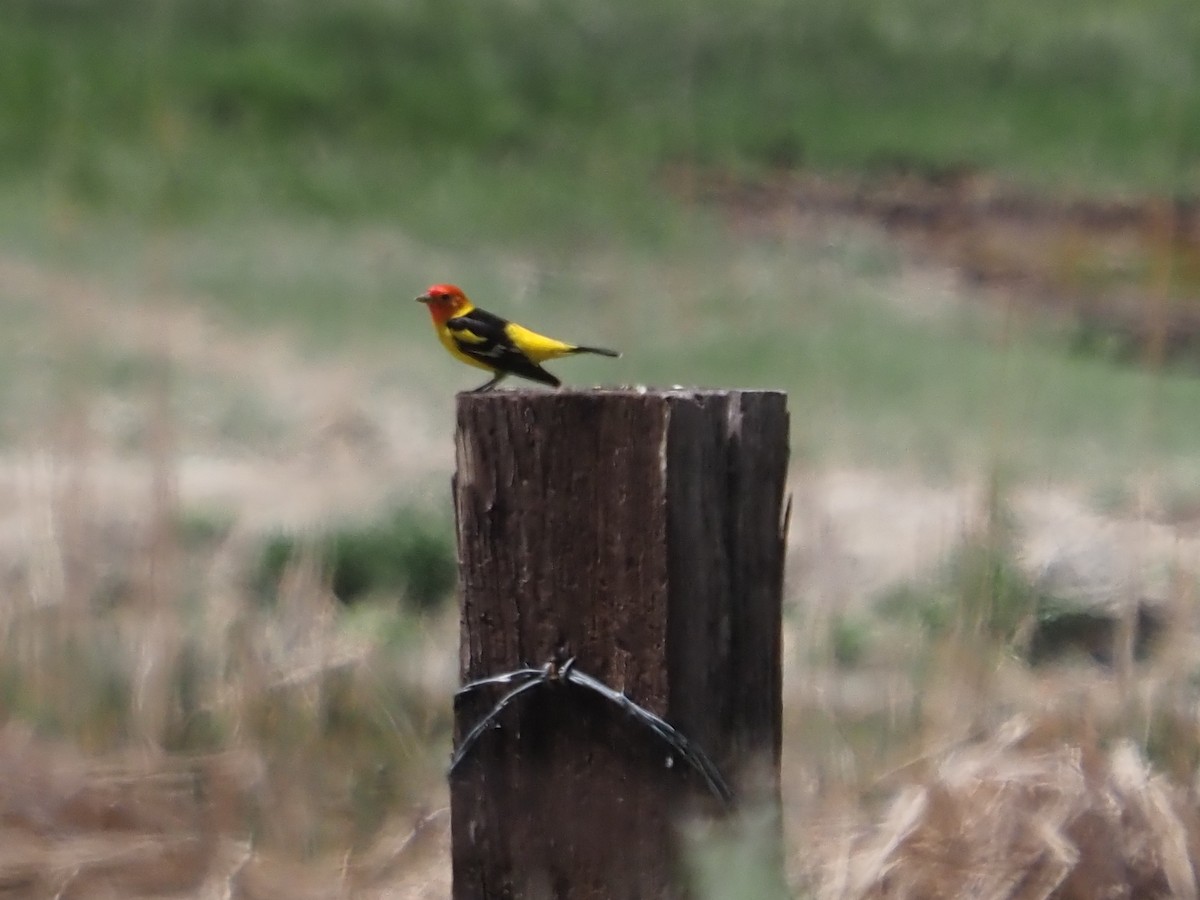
(445, 301)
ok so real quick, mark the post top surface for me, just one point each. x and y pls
(617, 391)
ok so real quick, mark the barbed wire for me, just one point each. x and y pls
(568, 673)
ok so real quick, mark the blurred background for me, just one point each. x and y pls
(963, 236)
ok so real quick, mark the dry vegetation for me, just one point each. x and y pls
(168, 734)
(927, 758)
(1022, 813)
(168, 730)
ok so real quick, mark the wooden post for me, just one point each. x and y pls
(642, 534)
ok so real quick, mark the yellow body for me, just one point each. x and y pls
(447, 338)
(537, 347)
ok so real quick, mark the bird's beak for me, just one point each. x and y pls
(424, 298)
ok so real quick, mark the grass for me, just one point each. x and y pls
(331, 708)
(404, 554)
(305, 97)
(308, 167)
(939, 727)
(868, 381)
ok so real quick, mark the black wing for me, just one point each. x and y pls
(483, 336)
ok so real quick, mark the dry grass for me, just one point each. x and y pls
(138, 825)
(164, 734)
(940, 764)
(1026, 813)
(164, 731)
(229, 752)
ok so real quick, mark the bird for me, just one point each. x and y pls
(487, 341)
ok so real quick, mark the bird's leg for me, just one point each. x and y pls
(500, 376)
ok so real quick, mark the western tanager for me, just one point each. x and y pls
(481, 339)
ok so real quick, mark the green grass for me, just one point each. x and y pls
(178, 107)
(402, 555)
(701, 305)
(311, 167)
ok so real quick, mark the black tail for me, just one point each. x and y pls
(599, 351)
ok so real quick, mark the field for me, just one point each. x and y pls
(962, 236)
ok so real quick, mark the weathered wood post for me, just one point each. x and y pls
(641, 533)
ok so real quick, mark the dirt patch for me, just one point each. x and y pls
(1121, 275)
